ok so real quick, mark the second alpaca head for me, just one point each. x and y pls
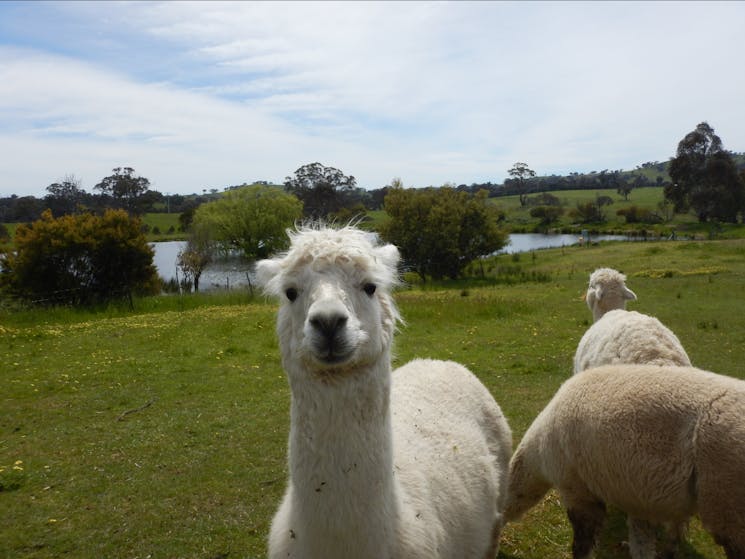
(607, 291)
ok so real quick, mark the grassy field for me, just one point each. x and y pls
(519, 220)
(161, 432)
(163, 227)
(518, 217)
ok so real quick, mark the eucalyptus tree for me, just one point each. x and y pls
(125, 187)
(64, 196)
(520, 173)
(704, 178)
(323, 190)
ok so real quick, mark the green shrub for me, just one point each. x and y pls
(80, 259)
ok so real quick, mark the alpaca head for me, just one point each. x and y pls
(336, 313)
(607, 291)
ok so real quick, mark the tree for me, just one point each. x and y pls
(520, 172)
(635, 214)
(80, 259)
(64, 196)
(195, 257)
(322, 190)
(440, 230)
(125, 187)
(24, 209)
(591, 212)
(624, 187)
(704, 178)
(252, 219)
(547, 214)
(186, 217)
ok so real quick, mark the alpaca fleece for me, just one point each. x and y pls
(659, 443)
(629, 337)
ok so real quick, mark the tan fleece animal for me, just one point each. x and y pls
(659, 443)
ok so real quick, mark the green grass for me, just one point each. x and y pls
(375, 219)
(164, 222)
(162, 431)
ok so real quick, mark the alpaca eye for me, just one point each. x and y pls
(369, 288)
(291, 293)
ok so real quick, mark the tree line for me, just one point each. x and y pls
(324, 190)
(124, 189)
(439, 230)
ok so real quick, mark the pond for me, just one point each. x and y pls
(525, 242)
(234, 272)
(225, 273)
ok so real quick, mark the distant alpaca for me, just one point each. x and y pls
(403, 465)
(607, 291)
(620, 336)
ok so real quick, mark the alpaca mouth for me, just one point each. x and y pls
(335, 358)
(330, 355)
(332, 352)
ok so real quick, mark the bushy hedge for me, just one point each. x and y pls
(79, 259)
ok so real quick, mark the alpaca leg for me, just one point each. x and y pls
(586, 518)
(674, 535)
(733, 552)
(282, 533)
(642, 536)
(496, 533)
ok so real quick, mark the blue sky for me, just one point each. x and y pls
(197, 95)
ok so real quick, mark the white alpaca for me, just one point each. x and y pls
(607, 291)
(404, 465)
(660, 443)
(620, 336)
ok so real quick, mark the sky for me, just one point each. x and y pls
(203, 95)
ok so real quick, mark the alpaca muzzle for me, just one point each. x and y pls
(330, 341)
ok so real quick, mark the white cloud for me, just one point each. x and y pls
(196, 95)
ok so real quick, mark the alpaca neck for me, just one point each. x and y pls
(341, 459)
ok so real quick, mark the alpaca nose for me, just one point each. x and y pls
(328, 325)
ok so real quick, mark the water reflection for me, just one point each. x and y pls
(234, 271)
(224, 273)
(524, 242)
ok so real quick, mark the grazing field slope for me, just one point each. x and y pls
(162, 432)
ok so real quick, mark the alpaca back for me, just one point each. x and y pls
(629, 337)
(642, 437)
(720, 463)
(451, 446)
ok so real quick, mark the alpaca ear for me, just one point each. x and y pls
(592, 296)
(387, 255)
(628, 295)
(266, 270)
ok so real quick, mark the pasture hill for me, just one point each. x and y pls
(651, 173)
